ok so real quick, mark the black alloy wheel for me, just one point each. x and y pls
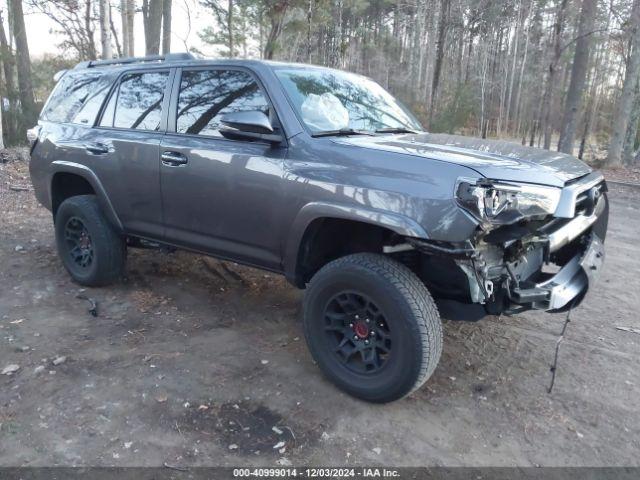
(358, 332)
(372, 326)
(91, 249)
(79, 245)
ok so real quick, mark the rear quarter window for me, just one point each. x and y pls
(77, 98)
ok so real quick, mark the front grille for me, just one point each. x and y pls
(575, 197)
(585, 201)
(582, 203)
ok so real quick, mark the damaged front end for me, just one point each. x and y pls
(535, 247)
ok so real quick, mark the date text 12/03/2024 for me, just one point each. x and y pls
(363, 472)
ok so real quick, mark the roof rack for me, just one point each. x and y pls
(168, 57)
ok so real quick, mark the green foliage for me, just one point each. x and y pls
(42, 71)
(456, 112)
(245, 26)
(492, 69)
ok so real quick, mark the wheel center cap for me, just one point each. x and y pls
(361, 330)
(84, 241)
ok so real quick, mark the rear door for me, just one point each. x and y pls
(125, 148)
(221, 196)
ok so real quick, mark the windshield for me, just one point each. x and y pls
(330, 100)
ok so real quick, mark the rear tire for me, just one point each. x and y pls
(91, 250)
(372, 327)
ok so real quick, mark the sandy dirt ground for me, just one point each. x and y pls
(194, 362)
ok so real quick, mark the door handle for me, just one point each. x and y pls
(97, 148)
(173, 159)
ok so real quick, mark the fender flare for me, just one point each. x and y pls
(63, 166)
(400, 224)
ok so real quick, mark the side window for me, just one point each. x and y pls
(139, 102)
(206, 95)
(77, 98)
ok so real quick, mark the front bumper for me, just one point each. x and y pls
(544, 265)
(569, 284)
(567, 287)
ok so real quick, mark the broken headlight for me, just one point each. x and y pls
(503, 203)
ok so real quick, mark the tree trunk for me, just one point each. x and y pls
(230, 27)
(578, 76)
(504, 75)
(166, 26)
(1, 136)
(335, 33)
(553, 70)
(512, 76)
(309, 20)
(535, 91)
(600, 69)
(125, 28)
(414, 65)
(114, 34)
(430, 51)
(275, 13)
(483, 89)
(152, 17)
(23, 62)
(591, 109)
(625, 102)
(516, 103)
(339, 44)
(494, 69)
(629, 149)
(90, 50)
(9, 90)
(131, 13)
(437, 68)
(105, 29)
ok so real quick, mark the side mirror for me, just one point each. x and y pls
(251, 125)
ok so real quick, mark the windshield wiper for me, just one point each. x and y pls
(395, 130)
(342, 131)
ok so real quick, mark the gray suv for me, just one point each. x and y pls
(324, 177)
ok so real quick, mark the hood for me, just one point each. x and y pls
(495, 159)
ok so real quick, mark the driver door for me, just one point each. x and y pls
(220, 196)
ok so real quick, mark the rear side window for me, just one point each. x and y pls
(77, 98)
(139, 101)
(206, 95)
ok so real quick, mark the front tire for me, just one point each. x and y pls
(91, 250)
(372, 327)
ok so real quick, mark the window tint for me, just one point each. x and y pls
(77, 98)
(139, 103)
(206, 95)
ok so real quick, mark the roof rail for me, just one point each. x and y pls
(168, 57)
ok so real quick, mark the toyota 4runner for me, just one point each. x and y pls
(322, 176)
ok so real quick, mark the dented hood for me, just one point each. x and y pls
(495, 159)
